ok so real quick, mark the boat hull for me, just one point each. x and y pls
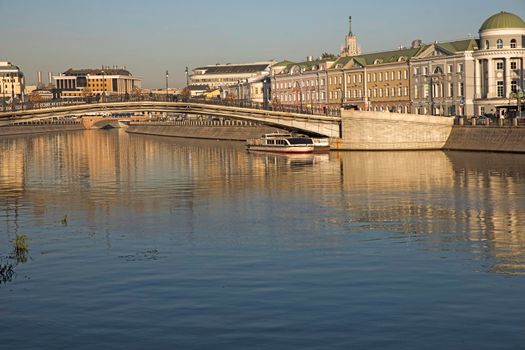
(281, 149)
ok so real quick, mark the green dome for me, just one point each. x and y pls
(503, 20)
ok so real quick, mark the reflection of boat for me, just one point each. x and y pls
(281, 143)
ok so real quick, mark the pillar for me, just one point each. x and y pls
(507, 77)
(491, 81)
(477, 64)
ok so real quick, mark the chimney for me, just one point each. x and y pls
(50, 77)
(39, 77)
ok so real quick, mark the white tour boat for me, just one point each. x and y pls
(281, 143)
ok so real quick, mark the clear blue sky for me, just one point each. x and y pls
(150, 37)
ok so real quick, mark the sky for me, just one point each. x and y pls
(150, 37)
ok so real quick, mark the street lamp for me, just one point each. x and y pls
(103, 86)
(3, 91)
(167, 76)
(12, 91)
(187, 77)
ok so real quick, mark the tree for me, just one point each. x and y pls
(328, 56)
(35, 97)
(185, 93)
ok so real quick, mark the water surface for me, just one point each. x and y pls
(149, 242)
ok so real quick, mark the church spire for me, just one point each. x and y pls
(350, 31)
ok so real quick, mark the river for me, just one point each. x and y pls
(149, 242)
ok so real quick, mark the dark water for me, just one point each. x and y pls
(197, 245)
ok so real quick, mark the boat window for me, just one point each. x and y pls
(300, 141)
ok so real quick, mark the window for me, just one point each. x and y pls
(340, 80)
(330, 81)
(501, 89)
(399, 75)
(449, 68)
(353, 78)
(487, 45)
(380, 76)
(451, 90)
(393, 92)
(460, 68)
(513, 44)
(400, 91)
(387, 94)
(461, 89)
(425, 70)
(360, 78)
(416, 71)
(393, 75)
(499, 65)
(380, 92)
(386, 76)
(406, 91)
(514, 86)
(375, 92)
(405, 74)
(375, 77)
(368, 77)
(499, 44)
(416, 93)
(513, 65)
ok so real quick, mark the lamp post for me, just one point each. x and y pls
(12, 91)
(167, 76)
(187, 77)
(3, 92)
(103, 86)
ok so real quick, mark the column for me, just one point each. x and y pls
(477, 64)
(507, 77)
(491, 81)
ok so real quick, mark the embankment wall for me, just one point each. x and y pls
(197, 131)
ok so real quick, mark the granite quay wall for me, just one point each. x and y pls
(212, 130)
(487, 138)
(377, 131)
(38, 128)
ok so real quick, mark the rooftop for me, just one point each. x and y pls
(235, 68)
(109, 71)
(502, 20)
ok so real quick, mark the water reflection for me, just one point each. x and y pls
(436, 198)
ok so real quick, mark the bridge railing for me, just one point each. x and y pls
(311, 110)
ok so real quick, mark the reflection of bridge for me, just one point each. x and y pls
(300, 121)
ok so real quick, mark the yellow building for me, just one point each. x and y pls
(96, 82)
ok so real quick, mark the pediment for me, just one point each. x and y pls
(434, 51)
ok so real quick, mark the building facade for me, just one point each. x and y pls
(498, 65)
(12, 83)
(96, 82)
(245, 81)
(302, 84)
(442, 77)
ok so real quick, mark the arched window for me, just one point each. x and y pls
(487, 45)
(499, 44)
(513, 44)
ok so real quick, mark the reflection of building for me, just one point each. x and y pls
(96, 82)
(12, 82)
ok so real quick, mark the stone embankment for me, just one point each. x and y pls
(487, 138)
(39, 128)
(211, 130)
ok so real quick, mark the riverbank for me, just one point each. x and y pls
(38, 128)
(210, 130)
(486, 139)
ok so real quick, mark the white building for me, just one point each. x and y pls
(246, 81)
(12, 82)
(498, 64)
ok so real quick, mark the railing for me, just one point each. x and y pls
(324, 111)
(490, 122)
